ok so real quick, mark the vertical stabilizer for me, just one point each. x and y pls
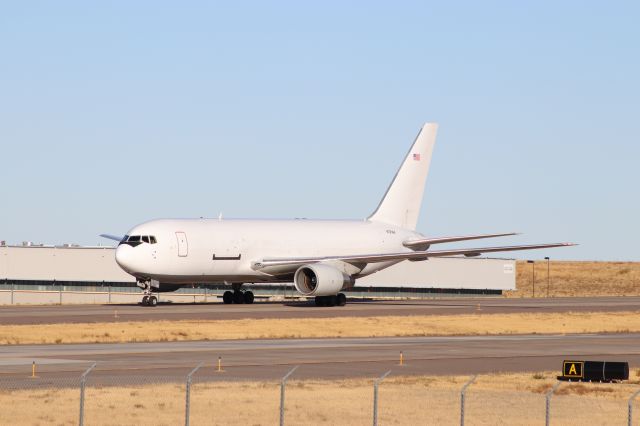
(401, 203)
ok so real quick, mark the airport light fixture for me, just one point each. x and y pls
(533, 277)
(548, 275)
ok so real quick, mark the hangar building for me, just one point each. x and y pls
(71, 268)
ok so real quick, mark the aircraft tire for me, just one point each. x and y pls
(332, 300)
(319, 301)
(248, 297)
(238, 297)
(153, 301)
(341, 299)
(227, 297)
(145, 300)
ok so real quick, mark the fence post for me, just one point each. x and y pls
(547, 414)
(631, 407)
(375, 397)
(187, 406)
(83, 382)
(282, 385)
(462, 397)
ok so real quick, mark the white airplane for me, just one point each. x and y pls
(321, 257)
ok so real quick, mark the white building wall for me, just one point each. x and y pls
(94, 264)
(447, 272)
(97, 264)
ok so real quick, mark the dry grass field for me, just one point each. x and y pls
(566, 279)
(433, 325)
(574, 279)
(493, 399)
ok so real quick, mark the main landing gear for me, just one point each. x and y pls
(238, 297)
(338, 300)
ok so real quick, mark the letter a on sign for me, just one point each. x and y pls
(572, 369)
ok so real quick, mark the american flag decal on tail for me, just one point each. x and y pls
(416, 157)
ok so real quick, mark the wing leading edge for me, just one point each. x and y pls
(111, 237)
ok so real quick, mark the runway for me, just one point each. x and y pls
(318, 358)
(49, 314)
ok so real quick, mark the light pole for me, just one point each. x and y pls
(533, 277)
(548, 276)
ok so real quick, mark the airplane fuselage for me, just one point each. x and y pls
(225, 250)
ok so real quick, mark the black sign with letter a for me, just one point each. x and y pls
(573, 369)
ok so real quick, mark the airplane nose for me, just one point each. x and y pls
(123, 257)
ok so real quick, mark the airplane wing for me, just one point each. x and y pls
(111, 237)
(283, 265)
(424, 243)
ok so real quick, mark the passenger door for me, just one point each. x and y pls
(183, 245)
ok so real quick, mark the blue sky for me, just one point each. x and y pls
(115, 113)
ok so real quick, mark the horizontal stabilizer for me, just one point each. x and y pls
(424, 243)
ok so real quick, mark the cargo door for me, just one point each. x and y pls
(183, 246)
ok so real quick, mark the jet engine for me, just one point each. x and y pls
(320, 280)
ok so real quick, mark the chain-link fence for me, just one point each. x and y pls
(209, 394)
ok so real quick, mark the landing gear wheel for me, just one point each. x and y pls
(341, 299)
(332, 300)
(145, 300)
(153, 301)
(227, 297)
(248, 297)
(238, 297)
(319, 301)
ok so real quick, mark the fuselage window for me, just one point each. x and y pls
(145, 239)
(152, 239)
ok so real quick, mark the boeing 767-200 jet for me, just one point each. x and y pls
(321, 257)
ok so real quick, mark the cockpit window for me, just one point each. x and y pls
(136, 240)
(131, 240)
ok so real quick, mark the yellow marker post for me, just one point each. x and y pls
(33, 369)
(220, 370)
(478, 308)
(401, 358)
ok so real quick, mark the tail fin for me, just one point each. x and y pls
(401, 203)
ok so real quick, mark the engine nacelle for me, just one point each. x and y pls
(320, 280)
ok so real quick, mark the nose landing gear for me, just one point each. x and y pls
(148, 299)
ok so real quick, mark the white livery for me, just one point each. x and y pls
(321, 257)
